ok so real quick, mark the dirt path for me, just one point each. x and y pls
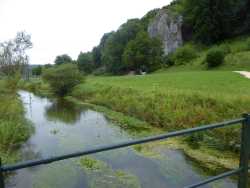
(244, 73)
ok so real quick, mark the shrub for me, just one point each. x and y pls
(225, 48)
(11, 82)
(215, 57)
(63, 78)
(184, 55)
(248, 44)
(99, 71)
(168, 60)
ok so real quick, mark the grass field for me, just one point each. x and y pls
(175, 100)
(209, 83)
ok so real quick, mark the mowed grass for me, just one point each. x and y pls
(209, 83)
(176, 100)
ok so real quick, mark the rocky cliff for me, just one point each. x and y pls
(169, 28)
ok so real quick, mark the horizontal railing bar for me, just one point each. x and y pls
(116, 146)
(212, 179)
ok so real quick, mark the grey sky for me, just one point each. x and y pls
(67, 26)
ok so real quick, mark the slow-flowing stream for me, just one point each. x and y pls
(62, 127)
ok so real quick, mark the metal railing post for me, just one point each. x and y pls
(1, 175)
(244, 151)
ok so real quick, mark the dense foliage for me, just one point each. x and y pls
(61, 59)
(215, 57)
(37, 71)
(62, 78)
(216, 20)
(113, 52)
(183, 55)
(85, 62)
(116, 44)
(143, 53)
(131, 49)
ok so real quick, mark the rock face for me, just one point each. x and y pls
(168, 28)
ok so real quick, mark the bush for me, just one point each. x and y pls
(225, 48)
(99, 71)
(215, 57)
(63, 78)
(248, 44)
(184, 55)
(168, 60)
(11, 82)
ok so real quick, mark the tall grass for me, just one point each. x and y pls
(14, 128)
(35, 85)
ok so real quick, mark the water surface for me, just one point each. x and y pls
(62, 127)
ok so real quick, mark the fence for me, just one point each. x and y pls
(242, 171)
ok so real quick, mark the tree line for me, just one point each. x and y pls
(131, 49)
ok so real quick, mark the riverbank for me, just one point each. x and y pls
(172, 101)
(176, 101)
(15, 129)
(208, 158)
(63, 127)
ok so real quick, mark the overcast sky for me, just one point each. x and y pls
(67, 26)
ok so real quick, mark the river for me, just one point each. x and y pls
(62, 127)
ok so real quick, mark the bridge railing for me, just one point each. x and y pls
(242, 171)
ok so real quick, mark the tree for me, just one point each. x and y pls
(62, 78)
(46, 66)
(143, 53)
(61, 59)
(85, 62)
(97, 55)
(116, 43)
(211, 20)
(13, 56)
(37, 71)
(242, 21)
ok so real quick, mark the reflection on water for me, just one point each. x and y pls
(62, 127)
(64, 111)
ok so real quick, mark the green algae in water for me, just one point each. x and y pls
(52, 176)
(92, 164)
(145, 152)
(101, 175)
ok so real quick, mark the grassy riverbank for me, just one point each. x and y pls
(14, 128)
(36, 86)
(173, 101)
(208, 158)
(177, 100)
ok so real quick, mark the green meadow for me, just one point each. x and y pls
(176, 100)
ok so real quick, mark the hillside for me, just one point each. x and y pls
(180, 33)
(237, 56)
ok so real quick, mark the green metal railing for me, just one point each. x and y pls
(242, 171)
